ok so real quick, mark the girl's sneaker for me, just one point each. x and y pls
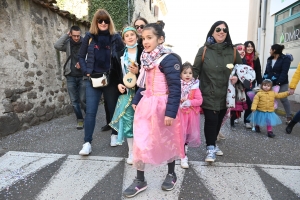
(271, 134)
(130, 158)
(184, 163)
(169, 182)
(136, 187)
(210, 154)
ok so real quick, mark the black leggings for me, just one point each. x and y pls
(171, 170)
(212, 125)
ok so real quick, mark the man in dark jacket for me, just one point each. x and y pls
(70, 43)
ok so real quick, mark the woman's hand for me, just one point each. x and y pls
(168, 121)
(121, 88)
(133, 68)
(233, 80)
(133, 106)
(291, 91)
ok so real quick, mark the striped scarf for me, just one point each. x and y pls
(148, 62)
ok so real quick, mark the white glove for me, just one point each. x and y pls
(186, 103)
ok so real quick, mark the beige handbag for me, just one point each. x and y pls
(129, 80)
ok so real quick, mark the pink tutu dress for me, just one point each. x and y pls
(190, 118)
(154, 143)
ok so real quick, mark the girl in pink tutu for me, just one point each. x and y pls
(156, 126)
(191, 100)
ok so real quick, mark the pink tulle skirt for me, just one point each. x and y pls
(190, 122)
(154, 143)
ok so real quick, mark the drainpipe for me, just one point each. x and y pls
(263, 34)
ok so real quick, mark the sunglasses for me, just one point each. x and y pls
(100, 21)
(218, 29)
(141, 26)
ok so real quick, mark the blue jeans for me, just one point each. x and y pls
(76, 90)
(93, 96)
(296, 118)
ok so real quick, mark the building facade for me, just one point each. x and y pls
(276, 22)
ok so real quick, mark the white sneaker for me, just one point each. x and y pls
(113, 140)
(221, 136)
(248, 125)
(236, 121)
(184, 163)
(86, 149)
(218, 151)
(129, 159)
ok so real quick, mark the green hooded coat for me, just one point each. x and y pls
(213, 73)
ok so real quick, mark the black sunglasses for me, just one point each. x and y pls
(218, 29)
(137, 26)
(100, 21)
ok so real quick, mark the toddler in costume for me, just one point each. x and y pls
(156, 126)
(191, 100)
(263, 108)
(122, 120)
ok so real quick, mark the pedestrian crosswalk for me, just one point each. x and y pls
(25, 175)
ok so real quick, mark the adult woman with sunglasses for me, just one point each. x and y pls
(99, 46)
(214, 76)
(277, 69)
(252, 59)
(139, 25)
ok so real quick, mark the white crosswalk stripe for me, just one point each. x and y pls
(77, 175)
(18, 165)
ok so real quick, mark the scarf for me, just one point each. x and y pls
(249, 59)
(187, 86)
(148, 62)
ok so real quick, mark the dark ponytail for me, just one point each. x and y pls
(278, 48)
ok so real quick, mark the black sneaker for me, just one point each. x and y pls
(271, 134)
(105, 128)
(136, 187)
(257, 129)
(169, 182)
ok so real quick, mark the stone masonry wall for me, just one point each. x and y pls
(33, 88)
(142, 8)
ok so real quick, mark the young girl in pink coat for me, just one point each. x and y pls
(191, 100)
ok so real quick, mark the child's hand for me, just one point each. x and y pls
(133, 68)
(186, 103)
(121, 88)
(133, 106)
(182, 100)
(168, 121)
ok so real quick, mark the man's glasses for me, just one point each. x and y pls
(218, 29)
(100, 21)
(137, 26)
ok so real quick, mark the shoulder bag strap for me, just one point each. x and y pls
(203, 54)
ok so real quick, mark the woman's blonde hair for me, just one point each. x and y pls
(104, 15)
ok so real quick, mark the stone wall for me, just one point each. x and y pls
(142, 8)
(33, 88)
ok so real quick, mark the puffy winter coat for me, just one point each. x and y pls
(295, 78)
(213, 74)
(279, 72)
(264, 101)
(174, 85)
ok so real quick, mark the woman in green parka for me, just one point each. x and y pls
(213, 74)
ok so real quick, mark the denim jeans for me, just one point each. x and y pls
(76, 90)
(296, 118)
(93, 96)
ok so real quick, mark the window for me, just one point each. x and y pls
(283, 15)
(296, 9)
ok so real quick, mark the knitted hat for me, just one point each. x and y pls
(128, 28)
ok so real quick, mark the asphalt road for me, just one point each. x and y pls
(43, 163)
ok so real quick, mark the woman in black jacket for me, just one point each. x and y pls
(251, 58)
(99, 46)
(277, 69)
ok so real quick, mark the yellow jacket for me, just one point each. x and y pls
(296, 78)
(264, 101)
